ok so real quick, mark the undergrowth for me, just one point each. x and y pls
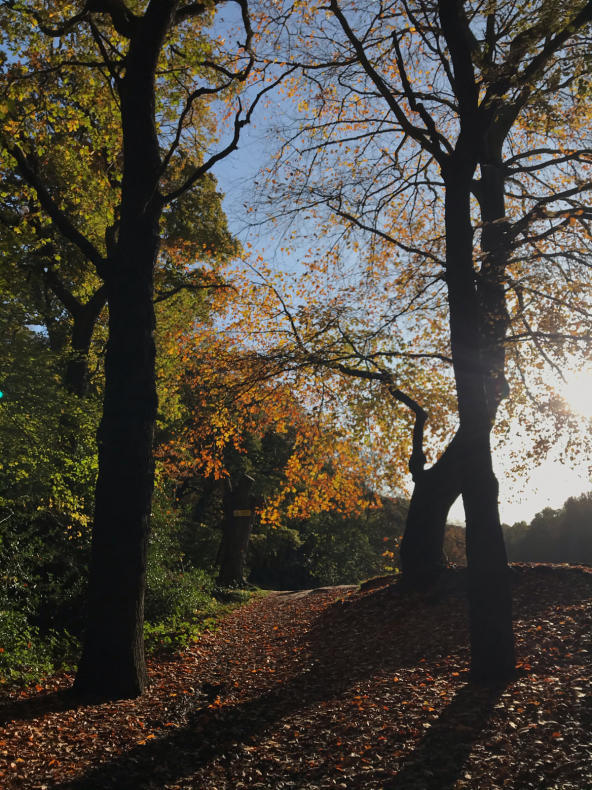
(27, 656)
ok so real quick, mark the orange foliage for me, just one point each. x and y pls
(220, 391)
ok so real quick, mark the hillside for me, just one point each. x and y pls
(334, 688)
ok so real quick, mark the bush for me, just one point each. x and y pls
(43, 570)
(25, 656)
(329, 548)
(175, 593)
(174, 633)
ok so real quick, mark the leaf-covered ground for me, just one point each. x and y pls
(334, 688)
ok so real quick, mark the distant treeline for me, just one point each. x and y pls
(563, 535)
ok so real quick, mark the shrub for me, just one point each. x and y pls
(24, 655)
(175, 593)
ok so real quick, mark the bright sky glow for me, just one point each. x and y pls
(550, 483)
(553, 481)
(577, 391)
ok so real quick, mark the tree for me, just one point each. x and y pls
(156, 74)
(239, 507)
(424, 110)
(233, 425)
(61, 286)
(563, 535)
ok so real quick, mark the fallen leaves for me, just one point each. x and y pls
(368, 690)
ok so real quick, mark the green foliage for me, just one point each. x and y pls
(175, 633)
(43, 570)
(234, 595)
(26, 656)
(563, 535)
(48, 457)
(172, 592)
(329, 548)
(180, 598)
(47, 473)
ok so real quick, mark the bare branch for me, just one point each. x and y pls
(162, 296)
(239, 124)
(422, 136)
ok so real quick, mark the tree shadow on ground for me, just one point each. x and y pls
(34, 707)
(351, 641)
(438, 759)
(354, 639)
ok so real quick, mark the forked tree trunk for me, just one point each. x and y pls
(434, 492)
(236, 531)
(437, 488)
(490, 602)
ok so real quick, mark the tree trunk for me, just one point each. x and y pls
(491, 284)
(492, 642)
(436, 489)
(112, 663)
(76, 378)
(236, 531)
(84, 318)
(434, 492)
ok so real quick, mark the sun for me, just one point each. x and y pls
(577, 391)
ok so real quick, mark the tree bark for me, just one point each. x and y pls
(236, 531)
(76, 377)
(84, 318)
(112, 664)
(490, 603)
(435, 490)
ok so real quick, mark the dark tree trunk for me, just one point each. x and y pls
(491, 283)
(76, 378)
(236, 531)
(112, 663)
(434, 492)
(84, 318)
(490, 603)
(436, 489)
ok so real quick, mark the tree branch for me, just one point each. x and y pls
(60, 219)
(422, 136)
(124, 21)
(239, 124)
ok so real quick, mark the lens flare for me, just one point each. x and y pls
(577, 391)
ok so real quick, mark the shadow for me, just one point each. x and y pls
(437, 761)
(354, 639)
(33, 707)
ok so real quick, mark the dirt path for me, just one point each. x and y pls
(295, 595)
(332, 688)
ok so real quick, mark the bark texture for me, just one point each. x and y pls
(112, 663)
(478, 323)
(84, 319)
(490, 606)
(434, 492)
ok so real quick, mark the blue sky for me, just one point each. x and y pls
(549, 484)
